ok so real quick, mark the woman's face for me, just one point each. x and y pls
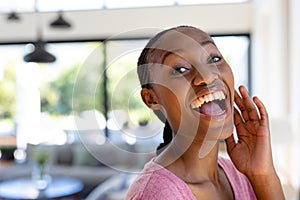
(194, 85)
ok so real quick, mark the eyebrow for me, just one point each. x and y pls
(204, 43)
(167, 54)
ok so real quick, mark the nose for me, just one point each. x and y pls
(204, 76)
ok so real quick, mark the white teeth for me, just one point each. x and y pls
(219, 95)
(206, 98)
(210, 97)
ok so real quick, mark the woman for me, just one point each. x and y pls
(188, 84)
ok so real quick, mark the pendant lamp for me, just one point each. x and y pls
(60, 22)
(39, 54)
(13, 16)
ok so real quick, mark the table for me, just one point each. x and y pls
(23, 188)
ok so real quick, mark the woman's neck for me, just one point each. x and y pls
(199, 163)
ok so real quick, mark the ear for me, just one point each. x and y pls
(150, 99)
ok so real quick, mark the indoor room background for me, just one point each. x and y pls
(92, 84)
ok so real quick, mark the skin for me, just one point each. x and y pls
(195, 68)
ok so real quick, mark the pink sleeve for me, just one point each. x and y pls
(159, 184)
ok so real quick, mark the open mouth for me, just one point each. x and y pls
(212, 104)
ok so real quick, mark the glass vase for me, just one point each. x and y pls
(40, 176)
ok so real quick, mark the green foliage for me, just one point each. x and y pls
(8, 92)
(64, 87)
(123, 85)
(88, 89)
(40, 154)
(124, 90)
(57, 97)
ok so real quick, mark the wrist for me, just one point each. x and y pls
(267, 187)
(262, 172)
(263, 179)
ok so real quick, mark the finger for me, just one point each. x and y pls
(230, 143)
(241, 105)
(264, 118)
(250, 106)
(238, 120)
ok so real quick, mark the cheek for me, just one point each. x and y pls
(227, 76)
(169, 102)
(174, 92)
(171, 107)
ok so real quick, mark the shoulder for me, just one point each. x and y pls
(240, 184)
(156, 182)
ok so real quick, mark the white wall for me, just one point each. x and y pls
(276, 46)
(234, 18)
(294, 52)
(270, 49)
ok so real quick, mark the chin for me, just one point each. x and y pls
(220, 132)
(227, 131)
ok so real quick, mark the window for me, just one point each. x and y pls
(75, 87)
(199, 2)
(69, 88)
(135, 4)
(236, 50)
(67, 5)
(126, 109)
(10, 55)
(123, 83)
(7, 6)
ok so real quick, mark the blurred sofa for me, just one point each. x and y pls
(87, 158)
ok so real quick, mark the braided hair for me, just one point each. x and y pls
(145, 80)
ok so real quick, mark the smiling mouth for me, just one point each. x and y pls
(212, 104)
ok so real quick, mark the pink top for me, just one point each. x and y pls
(156, 182)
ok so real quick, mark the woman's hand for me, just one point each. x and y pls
(252, 153)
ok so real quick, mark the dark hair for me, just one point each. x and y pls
(144, 77)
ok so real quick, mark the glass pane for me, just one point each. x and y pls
(17, 6)
(235, 49)
(197, 2)
(11, 57)
(123, 85)
(64, 5)
(69, 87)
(127, 111)
(71, 59)
(134, 3)
(67, 5)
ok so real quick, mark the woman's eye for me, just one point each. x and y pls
(178, 70)
(214, 59)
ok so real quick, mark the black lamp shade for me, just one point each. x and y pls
(60, 22)
(39, 55)
(13, 16)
